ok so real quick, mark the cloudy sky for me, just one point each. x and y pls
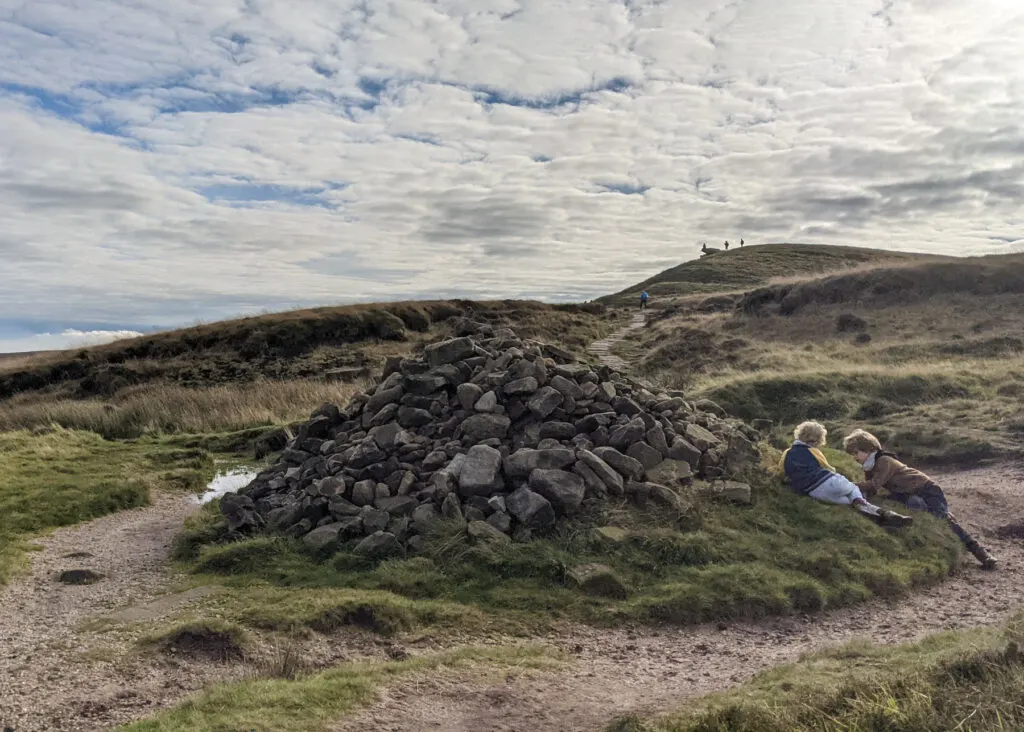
(167, 161)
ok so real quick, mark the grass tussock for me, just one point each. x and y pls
(782, 554)
(170, 408)
(967, 680)
(313, 703)
(207, 640)
(61, 477)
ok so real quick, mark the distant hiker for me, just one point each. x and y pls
(709, 250)
(643, 300)
(911, 487)
(809, 473)
(726, 245)
(741, 242)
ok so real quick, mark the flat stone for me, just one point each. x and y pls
(519, 387)
(683, 450)
(645, 454)
(323, 537)
(482, 427)
(702, 438)
(481, 472)
(487, 402)
(671, 473)
(611, 478)
(397, 505)
(545, 401)
(565, 490)
(380, 545)
(449, 351)
(627, 466)
(558, 430)
(525, 460)
(611, 534)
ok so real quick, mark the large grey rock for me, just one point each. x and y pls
(240, 511)
(671, 473)
(501, 521)
(565, 490)
(451, 509)
(339, 507)
(625, 405)
(382, 398)
(483, 532)
(656, 438)
(645, 454)
(281, 518)
(611, 478)
(627, 466)
(366, 453)
(425, 515)
(364, 492)
(683, 450)
(482, 427)
(374, 519)
(730, 490)
(701, 437)
(595, 486)
(449, 351)
(525, 460)
(741, 455)
(487, 402)
(424, 384)
(567, 387)
(396, 505)
(481, 472)
(380, 545)
(545, 401)
(386, 435)
(468, 394)
(558, 430)
(323, 537)
(413, 417)
(531, 509)
(520, 387)
(625, 435)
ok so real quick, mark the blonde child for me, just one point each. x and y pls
(809, 473)
(911, 487)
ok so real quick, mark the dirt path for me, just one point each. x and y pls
(602, 349)
(646, 671)
(54, 676)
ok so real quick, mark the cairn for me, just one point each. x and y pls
(508, 435)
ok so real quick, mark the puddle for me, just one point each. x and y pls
(227, 482)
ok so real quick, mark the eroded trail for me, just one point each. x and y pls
(646, 671)
(602, 349)
(56, 676)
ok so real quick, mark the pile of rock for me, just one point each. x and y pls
(504, 434)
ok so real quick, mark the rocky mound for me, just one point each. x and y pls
(507, 435)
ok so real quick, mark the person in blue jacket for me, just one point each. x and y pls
(643, 300)
(809, 474)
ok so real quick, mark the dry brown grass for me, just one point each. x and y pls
(167, 408)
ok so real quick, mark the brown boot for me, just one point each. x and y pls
(894, 520)
(981, 554)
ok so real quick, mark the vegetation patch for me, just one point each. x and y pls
(313, 703)
(208, 640)
(59, 477)
(968, 680)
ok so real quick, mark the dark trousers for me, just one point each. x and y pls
(643, 304)
(930, 498)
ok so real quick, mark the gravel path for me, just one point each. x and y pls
(602, 349)
(648, 671)
(56, 675)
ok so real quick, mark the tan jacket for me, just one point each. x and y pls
(892, 475)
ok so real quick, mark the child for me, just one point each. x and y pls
(910, 487)
(809, 473)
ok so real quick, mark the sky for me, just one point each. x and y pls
(164, 162)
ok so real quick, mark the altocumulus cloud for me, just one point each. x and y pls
(173, 160)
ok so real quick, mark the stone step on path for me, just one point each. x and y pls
(602, 349)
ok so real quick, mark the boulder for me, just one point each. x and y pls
(449, 351)
(468, 395)
(546, 400)
(520, 387)
(599, 580)
(684, 451)
(611, 478)
(487, 402)
(483, 532)
(525, 460)
(565, 490)
(730, 490)
(531, 509)
(380, 545)
(627, 466)
(482, 427)
(323, 537)
(481, 472)
(671, 473)
(703, 439)
(645, 454)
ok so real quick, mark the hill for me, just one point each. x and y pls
(927, 352)
(250, 371)
(740, 269)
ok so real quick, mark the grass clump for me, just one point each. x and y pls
(967, 680)
(313, 703)
(60, 477)
(214, 640)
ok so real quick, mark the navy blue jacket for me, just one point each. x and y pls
(804, 469)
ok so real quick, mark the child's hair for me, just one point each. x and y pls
(812, 433)
(861, 441)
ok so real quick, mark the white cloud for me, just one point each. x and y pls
(166, 161)
(69, 338)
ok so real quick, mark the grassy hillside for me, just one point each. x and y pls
(968, 680)
(742, 269)
(927, 354)
(262, 370)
